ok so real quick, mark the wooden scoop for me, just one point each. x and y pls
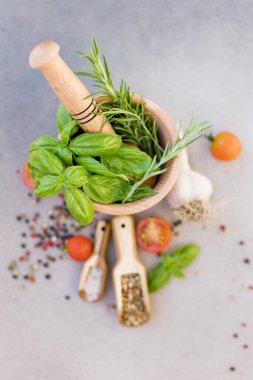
(93, 278)
(129, 275)
(69, 89)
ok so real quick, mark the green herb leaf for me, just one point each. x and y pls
(45, 161)
(105, 189)
(128, 160)
(158, 277)
(130, 120)
(36, 174)
(48, 185)
(171, 265)
(94, 166)
(65, 154)
(45, 142)
(69, 129)
(76, 176)
(79, 205)
(62, 118)
(141, 192)
(53, 145)
(95, 144)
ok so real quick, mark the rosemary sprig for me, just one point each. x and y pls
(192, 133)
(130, 120)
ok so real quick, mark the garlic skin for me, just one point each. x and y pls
(190, 186)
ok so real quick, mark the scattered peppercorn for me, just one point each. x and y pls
(223, 227)
(246, 261)
(232, 369)
(48, 276)
(177, 223)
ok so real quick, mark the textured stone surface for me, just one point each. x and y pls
(192, 58)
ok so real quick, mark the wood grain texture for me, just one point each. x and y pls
(67, 86)
(128, 262)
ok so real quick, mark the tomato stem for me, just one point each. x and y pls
(209, 137)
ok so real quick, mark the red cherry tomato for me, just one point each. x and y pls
(153, 234)
(225, 146)
(79, 248)
(27, 178)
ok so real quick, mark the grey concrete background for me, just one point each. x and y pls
(192, 58)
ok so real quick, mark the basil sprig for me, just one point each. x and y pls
(105, 179)
(171, 265)
(71, 179)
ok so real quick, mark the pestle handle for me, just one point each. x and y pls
(69, 89)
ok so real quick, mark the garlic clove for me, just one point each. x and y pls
(202, 188)
(190, 186)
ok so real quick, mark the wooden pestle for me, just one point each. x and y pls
(69, 89)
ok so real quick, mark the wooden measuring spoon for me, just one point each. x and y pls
(93, 278)
(129, 275)
(69, 89)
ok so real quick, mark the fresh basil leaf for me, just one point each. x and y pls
(128, 160)
(65, 154)
(79, 205)
(75, 176)
(48, 185)
(45, 161)
(181, 257)
(70, 128)
(105, 189)
(45, 142)
(94, 166)
(62, 118)
(172, 264)
(53, 145)
(36, 174)
(141, 192)
(157, 278)
(95, 144)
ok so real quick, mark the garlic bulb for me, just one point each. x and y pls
(190, 186)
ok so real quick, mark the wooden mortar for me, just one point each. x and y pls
(74, 95)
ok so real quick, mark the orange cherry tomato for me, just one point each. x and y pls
(27, 178)
(153, 234)
(79, 248)
(225, 146)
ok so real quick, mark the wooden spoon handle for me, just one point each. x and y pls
(69, 89)
(102, 238)
(124, 237)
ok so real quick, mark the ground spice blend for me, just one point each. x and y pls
(129, 275)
